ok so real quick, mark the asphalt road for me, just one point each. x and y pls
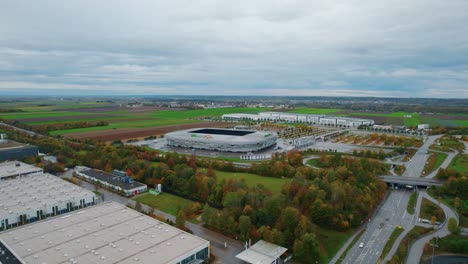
(416, 249)
(415, 166)
(217, 240)
(392, 213)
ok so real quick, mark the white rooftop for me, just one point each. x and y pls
(10, 168)
(105, 233)
(262, 252)
(34, 192)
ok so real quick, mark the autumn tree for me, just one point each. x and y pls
(306, 249)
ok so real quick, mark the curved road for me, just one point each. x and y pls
(416, 250)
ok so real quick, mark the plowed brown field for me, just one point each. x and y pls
(130, 133)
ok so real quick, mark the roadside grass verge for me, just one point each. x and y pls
(459, 163)
(434, 162)
(412, 203)
(395, 234)
(429, 209)
(331, 241)
(348, 248)
(408, 240)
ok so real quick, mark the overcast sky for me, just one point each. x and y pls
(407, 48)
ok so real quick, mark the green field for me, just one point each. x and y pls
(22, 115)
(165, 202)
(273, 184)
(314, 111)
(153, 118)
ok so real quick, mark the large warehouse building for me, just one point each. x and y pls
(301, 118)
(35, 196)
(232, 140)
(10, 169)
(105, 233)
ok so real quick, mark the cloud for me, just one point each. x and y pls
(254, 47)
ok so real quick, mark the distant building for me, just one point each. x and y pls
(116, 180)
(423, 126)
(301, 118)
(35, 196)
(105, 233)
(11, 150)
(11, 169)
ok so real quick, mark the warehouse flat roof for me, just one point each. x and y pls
(105, 233)
(11, 168)
(112, 179)
(261, 252)
(19, 195)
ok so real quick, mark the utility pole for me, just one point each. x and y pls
(434, 245)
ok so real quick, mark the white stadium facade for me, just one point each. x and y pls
(230, 140)
(301, 118)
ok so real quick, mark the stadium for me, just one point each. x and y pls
(230, 140)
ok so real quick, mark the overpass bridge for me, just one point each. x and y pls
(420, 182)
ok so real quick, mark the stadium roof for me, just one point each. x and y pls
(105, 233)
(262, 252)
(19, 195)
(11, 168)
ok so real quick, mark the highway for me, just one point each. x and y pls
(415, 166)
(392, 213)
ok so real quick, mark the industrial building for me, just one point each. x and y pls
(301, 118)
(11, 169)
(32, 197)
(11, 150)
(105, 233)
(262, 252)
(117, 180)
(231, 140)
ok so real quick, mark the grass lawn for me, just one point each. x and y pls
(434, 162)
(412, 203)
(331, 241)
(395, 234)
(314, 111)
(273, 184)
(460, 163)
(165, 202)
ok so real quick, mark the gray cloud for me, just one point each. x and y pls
(368, 48)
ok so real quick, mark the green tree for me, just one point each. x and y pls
(453, 226)
(244, 226)
(180, 219)
(306, 249)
